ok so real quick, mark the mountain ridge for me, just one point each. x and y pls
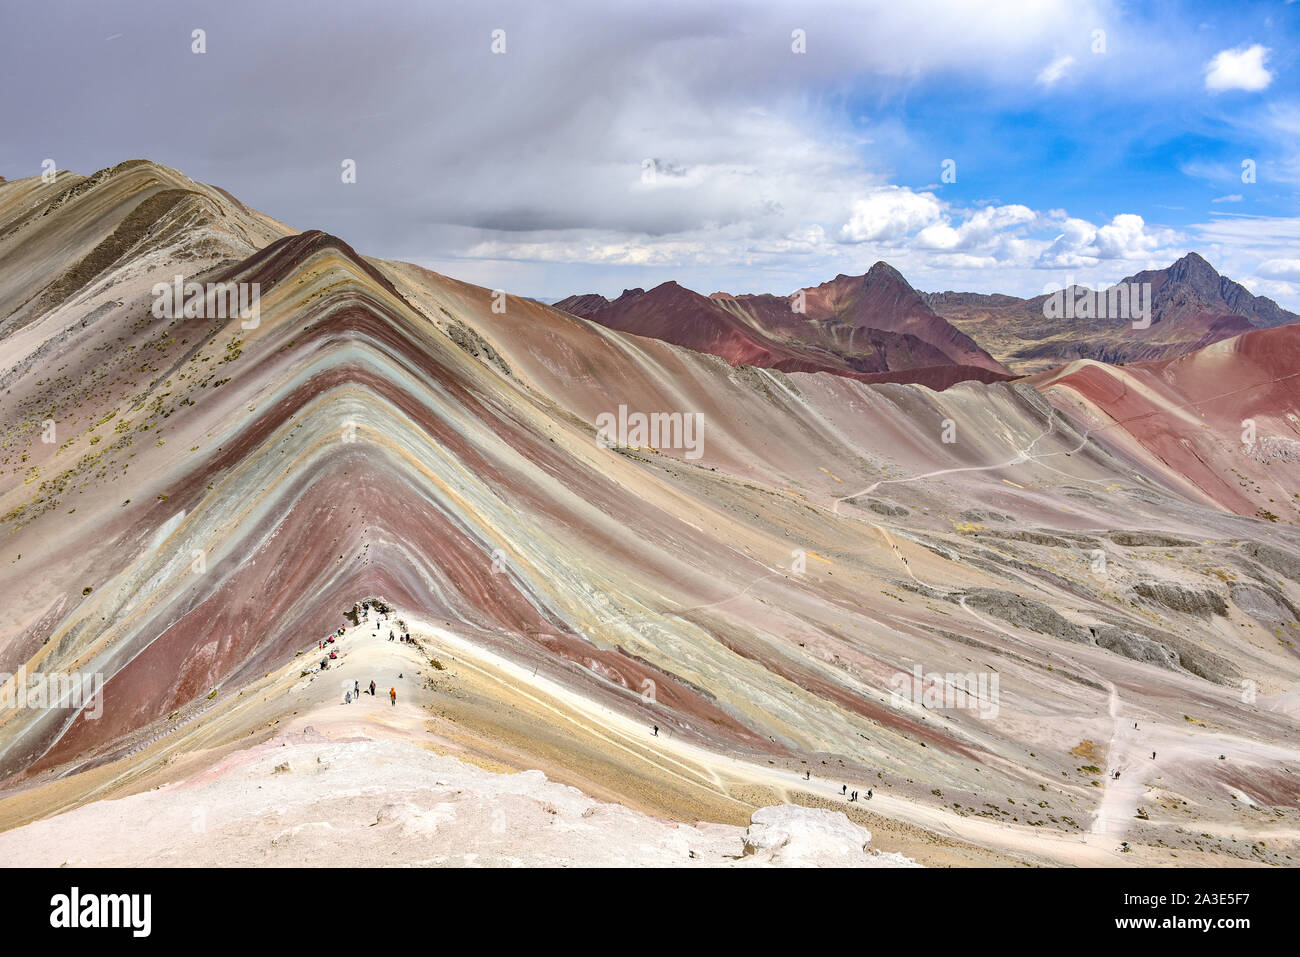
(868, 327)
(1192, 306)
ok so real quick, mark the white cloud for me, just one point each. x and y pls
(1126, 237)
(1055, 70)
(1283, 293)
(1280, 269)
(890, 213)
(1241, 68)
(989, 249)
(1230, 198)
(933, 242)
(982, 229)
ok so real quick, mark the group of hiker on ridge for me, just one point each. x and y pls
(354, 693)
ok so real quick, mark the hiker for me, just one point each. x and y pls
(1153, 755)
(392, 693)
(844, 789)
(356, 689)
(347, 697)
(656, 731)
(390, 636)
(868, 794)
(807, 775)
(372, 689)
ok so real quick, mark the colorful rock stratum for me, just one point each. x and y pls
(664, 607)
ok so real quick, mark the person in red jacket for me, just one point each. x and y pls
(392, 693)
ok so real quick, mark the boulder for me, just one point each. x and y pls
(790, 834)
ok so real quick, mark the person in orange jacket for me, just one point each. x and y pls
(392, 693)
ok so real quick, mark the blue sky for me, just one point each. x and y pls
(1106, 138)
(602, 146)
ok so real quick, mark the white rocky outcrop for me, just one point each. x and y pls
(791, 835)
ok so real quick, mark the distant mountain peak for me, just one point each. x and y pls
(883, 272)
(1193, 273)
(1192, 305)
(1194, 257)
(1194, 268)
(864, 325)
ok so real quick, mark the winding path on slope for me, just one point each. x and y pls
(681, 756)
(1104, 813)
(1119, 796)
(1100, 817)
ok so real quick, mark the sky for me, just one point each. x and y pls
(574, 146)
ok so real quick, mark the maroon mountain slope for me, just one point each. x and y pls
(883, 299)
(839, 333)
(583, 305)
